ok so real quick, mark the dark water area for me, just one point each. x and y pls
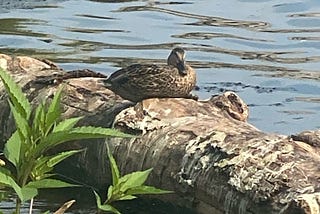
(266, 51)
(52, 199)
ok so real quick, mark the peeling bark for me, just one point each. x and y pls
(205, 151)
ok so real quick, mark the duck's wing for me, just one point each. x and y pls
(123, 75)
(132, 72)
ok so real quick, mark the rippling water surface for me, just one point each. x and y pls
(266, 51)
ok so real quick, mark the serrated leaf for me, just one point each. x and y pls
(45, 164)
(6, 179)
(39, 120)
(28, 193)
(114, 167)
(67, 124)
(20, 122)
(49, 183)
(12, 148)
(54, 110)
(84, 132)
(54, 160)
(41, 168)
(134, 179)
(17, 97)
(100, 131)
(141, 190)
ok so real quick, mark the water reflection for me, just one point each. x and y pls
(305, 15)
(203, 20)
(303, 38)
(211, 35)
(246, 41)
(18, 26)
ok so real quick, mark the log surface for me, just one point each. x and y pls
(205, 151)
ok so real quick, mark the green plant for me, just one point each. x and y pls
(37, 132)
(125, 187)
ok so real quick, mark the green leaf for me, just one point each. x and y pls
(78, 133)
(114, 168)
(99, 131)
(49, 183)
(110, 192)
(127, 197)
(134, 179)
(67, 124)
(41, 168)
(12, 148)
(98, 199)
(54, 110)
(3, 195)
(54, 160)
(45, 164)
(28, 193)
(105, 207)
(18, 99)
(141, 190)
(39, 120)
(6, 179)
(20, 122)
(109, 208)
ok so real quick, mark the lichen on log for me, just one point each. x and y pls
(205, 151)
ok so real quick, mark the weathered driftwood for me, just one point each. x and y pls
(204, 151)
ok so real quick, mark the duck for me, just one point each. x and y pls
(137, 82)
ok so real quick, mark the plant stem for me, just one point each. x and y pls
(31, 205)
(18, 205)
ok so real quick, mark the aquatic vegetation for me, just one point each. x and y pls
(28, 166)
(125, 187)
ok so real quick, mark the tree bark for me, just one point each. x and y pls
(204, 151)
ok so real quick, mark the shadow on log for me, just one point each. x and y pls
(205, 151)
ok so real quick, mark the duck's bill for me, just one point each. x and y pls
(182, 68)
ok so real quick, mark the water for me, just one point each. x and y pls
(270, 47)
(52, 199)
(266, 51)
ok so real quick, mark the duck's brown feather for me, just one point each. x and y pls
(138, 82)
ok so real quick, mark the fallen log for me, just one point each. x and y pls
(205, 151)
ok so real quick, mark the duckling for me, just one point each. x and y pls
(142, 81)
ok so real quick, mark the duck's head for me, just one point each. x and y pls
(176, 59)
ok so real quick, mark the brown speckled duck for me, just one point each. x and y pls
(141, 81)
